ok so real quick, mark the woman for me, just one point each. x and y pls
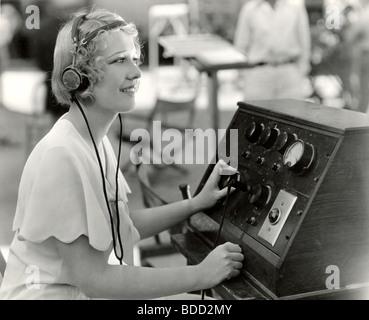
(69, 218)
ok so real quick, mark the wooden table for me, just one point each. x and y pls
(208, 53)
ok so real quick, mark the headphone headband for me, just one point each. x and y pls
(107, 27)
(76, 24)
(75, 32)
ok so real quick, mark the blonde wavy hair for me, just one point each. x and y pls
(86, 60)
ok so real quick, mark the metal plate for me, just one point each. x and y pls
(277, 217)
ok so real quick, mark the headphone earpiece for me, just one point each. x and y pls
(74, 80)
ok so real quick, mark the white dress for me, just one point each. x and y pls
(61, 197)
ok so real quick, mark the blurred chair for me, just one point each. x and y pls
(24, 93)
(151, 199)
(160, 17)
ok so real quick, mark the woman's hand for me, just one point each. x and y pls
(211, 193)
(223, 263)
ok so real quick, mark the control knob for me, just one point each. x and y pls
(260, 195)
(253, 131)
(269, 137)
(284, 140)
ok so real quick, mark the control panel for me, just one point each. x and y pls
(299, 161)
(282, 164)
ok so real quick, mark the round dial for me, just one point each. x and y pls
(299, 156)
(260, 195)
(284, 140)
(253, 131)
(269, 137)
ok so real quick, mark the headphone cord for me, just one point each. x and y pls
(118, 256)
(229, 186)
(116, 186)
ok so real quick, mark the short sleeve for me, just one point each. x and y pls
(58, 198)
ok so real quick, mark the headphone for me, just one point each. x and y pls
(74, 80)
(71, 76)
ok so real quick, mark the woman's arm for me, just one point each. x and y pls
(151, 221)
(88, 270)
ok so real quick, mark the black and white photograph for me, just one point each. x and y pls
(188, 155)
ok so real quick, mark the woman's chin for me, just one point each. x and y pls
(128, 109)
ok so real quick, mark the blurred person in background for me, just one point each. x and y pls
(345, 55)
(275, 36)
(358, 37)
(10, 22)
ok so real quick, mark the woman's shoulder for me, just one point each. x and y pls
(62, 141)
(61, 134)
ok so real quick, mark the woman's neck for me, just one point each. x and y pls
(99, 122)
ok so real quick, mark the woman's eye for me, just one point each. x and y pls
(136, 61)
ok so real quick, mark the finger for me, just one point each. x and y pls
(227, 170)
(237, 256)
(237, 265)
(224, 191)
(224, 169)
(232, 247)
(219, 170)
(215, 174)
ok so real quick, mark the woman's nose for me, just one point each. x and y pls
(135, 72)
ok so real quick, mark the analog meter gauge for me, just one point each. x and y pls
(299, 157)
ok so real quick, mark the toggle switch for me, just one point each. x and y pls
(252, 221)
(246, 154)
(274, 215)
(260, 160)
